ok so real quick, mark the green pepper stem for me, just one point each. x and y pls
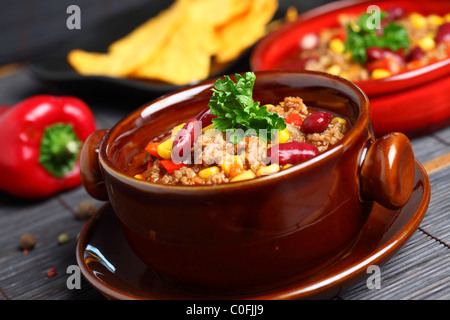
(59, 149)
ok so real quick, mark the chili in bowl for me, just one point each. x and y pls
(397, 52)
(225, 233)
(213, 148)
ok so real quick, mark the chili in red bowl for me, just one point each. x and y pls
(402, 64)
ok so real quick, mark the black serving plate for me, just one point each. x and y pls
(53, 68)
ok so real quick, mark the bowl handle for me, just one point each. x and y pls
(91, 173)
(387, 173)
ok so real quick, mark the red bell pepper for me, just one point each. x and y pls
(294, 119)
(40, 143)
(152, 148)
(171, 166)
(389, 63)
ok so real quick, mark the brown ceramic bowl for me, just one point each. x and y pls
(257, 234)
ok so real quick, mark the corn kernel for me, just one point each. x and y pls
(286, 166)
(348, 56)
(176, 129)
(380, 73)
(139, 176)
(447, 17)
(337, 46)
(355, 27)
(228, 162)
(427, 43)
(165, 149)
(233, 160)
(210, 127)
(339, 120)
(208, 172)
(244, 176)
(345, 75)
(334, 69)
(210, 132)
(273, 168)
(418, 20)
(291, 14)
(283, 136)
(435, 20)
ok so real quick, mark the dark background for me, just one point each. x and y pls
(30, 27)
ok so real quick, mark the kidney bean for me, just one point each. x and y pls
(394, 13)
(316, 122)
(292, 152)
(375, 53)
(184, 140)
(416, 54)
(443, 33)
(205, 117)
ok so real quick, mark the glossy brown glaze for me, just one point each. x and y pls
(387, 175)
(245, 236)
(109, 264)
(92, 177)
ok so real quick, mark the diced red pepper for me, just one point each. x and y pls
(294, 119)
(171, 166)
(152, 149)
(235, 170)
(414, 64)
(341, 34)
(388, 63)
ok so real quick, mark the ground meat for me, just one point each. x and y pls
(289, 105)
(214, 149)
(217, 178)
(253, 151)
(153, 172)
(186, 175)
(332, 135)
(295, 133)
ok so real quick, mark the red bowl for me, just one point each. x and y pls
(413, 102)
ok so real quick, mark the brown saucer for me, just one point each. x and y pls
(110, 266)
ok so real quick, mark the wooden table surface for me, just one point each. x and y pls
(419, 270)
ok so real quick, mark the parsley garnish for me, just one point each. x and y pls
(234, 107)
(393, 37)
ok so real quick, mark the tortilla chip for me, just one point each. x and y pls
(243, 31)
(185, 58)
(177, 45)
(152, 34)
(127, 53)
(98, 64)
(217, 12)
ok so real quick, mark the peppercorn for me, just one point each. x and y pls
(86, 209)
(63, 238)
(27, 241)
